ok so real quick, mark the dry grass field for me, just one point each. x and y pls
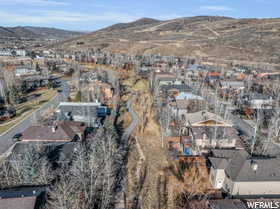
(211, 39)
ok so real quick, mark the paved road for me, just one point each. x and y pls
(134, 122)
(120, 196)
(6, 138)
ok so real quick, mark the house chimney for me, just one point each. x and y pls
(54, 127)
(203, 113)
(254, 165)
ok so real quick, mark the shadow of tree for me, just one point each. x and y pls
(136, 202)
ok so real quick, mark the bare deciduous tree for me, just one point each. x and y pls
(93, 176)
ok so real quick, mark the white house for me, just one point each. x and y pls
(2, 87)
(258, 101)
(5, 52)
(20, 52)
(79, 112)
(25, 71)
(238, 174)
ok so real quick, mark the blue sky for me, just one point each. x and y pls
(90, 15)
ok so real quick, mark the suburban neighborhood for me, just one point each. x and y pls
(149, 114)
(217, 128)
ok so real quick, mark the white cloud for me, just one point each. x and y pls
(34, 2)
(219, 8)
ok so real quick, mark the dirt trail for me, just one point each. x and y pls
(147, 182)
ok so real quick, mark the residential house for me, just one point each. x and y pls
(228, 89)
(185, 103)
(205, 118)
(62, 131)
(212, 77)
(207, 138)
(3, 88)
(33, 197)
(35, 81)
(232, 84)
(239, 174)
(161, 78)
(200, 140)
(80, 112)
(24, 71)
(175, 89)
(20, 52)
(258, 101)
(144, 72)
(195, 71)
(4, 52)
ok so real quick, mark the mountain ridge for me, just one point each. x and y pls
(212, 37)
(31, 32)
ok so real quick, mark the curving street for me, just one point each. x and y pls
(134, 121)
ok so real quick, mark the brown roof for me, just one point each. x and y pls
(162, 75)
(18, 203)
(174, 139)
(65, 131)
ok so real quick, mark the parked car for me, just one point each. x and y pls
(17, 137)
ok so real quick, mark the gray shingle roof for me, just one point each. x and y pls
(20, 197)
(227, 204)
(219, 163)
(268, 170)
(238, 166)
